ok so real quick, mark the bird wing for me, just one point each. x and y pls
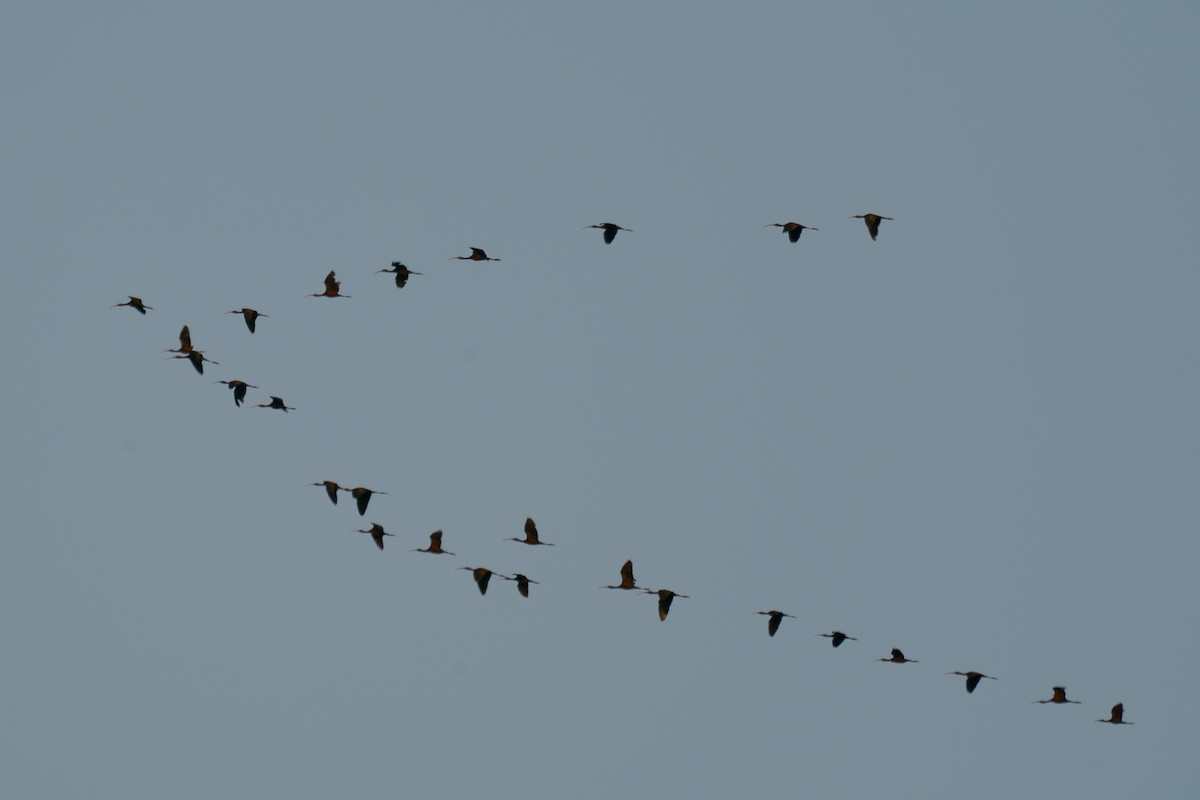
(627, 573)
(531, 532)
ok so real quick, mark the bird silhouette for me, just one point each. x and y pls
(482, 576)
(610, 230)
(476, 255)
(249, 314)
(435, 545)
(136, 304)
(792, 229)
(1059, 696)
(973, 679)
(838, 637)
(377, 533)
(332, 287)
(276, 403)
(898, 658)
(522, 582)
(239, 390)
(331, 489)
(197, 358)
(402, 272)
(1118, 715)
(776, 617)
(531, 534)
(665, 596)
(362, 496)
(627, 581)
(872, 221)
(185, 342)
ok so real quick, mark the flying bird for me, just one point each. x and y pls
(331, 489)
(476, 255)
(522, 582)
(136, 304)
(239, 390)
(402, 273)
(332, 287)
(897, 658)
(973, 679)
(249, 314)
(1059, 696)
(435, 545)
(185, 342)
(627, 581)
(362, 496)
(482, 576)
(276, 403)
(838, 637)
(1118, 715)
(531, 534)
(610, 230)
(792, 229)
(377, 533)
(872, 221)
(197, 358)
(776, 617)
(665, 596)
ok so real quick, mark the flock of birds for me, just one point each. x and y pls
(482, 575)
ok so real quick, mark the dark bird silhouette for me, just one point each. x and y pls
(476, 255)
(838, 637)
(239, 390)
(331, 489)
(185, 342)
(250, 315)
(1059, 696)
(435, 545)
(482, 577)
(276, 403)
(610, 230)
(665, 596)
(197, 358)
(531, 534)
(1118, 715)
(627, 581)
(898, 658)
(402, 273)
(332, 287)
(522, 582)
(377, 533)
(872, 221)
(776, 617)
(362, 496)
(973, 679)
(792, 229)
(136, 304)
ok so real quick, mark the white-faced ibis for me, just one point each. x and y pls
(482, 576)
(522, 582)
(973, 679)
(838, 637)
(897, 658)
(435, 545)
(402, 273)
(627, 581)
(476, 255)
(665, 596)
(197, 358)
(276, 403)
(377, 533)
(250, 315)
(776, 617)
(136, 304)
(610, 230)
(362, 496)
(531, 534)
(185, 342)
(872, 221)
(792, 229)
(239, 390)
(331, 489)
(1118, 715)
(332, 287)
(1059, 696)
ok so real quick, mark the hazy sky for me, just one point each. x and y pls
(974, 439)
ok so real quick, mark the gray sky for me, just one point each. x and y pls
(973, 439)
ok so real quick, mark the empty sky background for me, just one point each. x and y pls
(973, 439)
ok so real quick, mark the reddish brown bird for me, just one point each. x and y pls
(792, 229)
(973, 679)
(197, 358)
(402, 272)
(332, 287)
(362, 496)
(435, 545)
(276, 403)
(1118, 715)
(377, 533)
(476, 255)
(239, 390)
(482, 577)
(531, 534)
(665, 596)
(250, 315)
(897, 658)
(776, 617)
(627, 581)
(610, 230)
(185, 342)
(136, 304)
(1059, 696)
(522, 582)
(838, 637)
(331, 489)
(872, 221)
